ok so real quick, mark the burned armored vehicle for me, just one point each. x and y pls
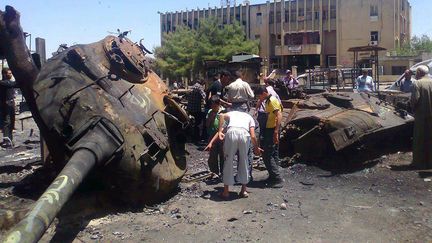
(324, 124)
(102, 112)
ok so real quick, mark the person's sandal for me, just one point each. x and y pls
(243, 195)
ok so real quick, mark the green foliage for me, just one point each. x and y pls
(406, 50)
(416, 46)
(175, 58)
(184, 50)
(423, 43)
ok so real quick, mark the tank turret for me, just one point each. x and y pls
(101, 111)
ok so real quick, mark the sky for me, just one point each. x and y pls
(86, 21)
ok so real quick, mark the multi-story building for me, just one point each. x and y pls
(309, 33)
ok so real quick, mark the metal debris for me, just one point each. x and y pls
(202, 175)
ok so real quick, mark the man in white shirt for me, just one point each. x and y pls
(364, 82)
(239, 92)
(240, 133)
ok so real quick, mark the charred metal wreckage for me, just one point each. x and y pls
(101, 111)
(325, 123)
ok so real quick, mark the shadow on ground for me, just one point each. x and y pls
(354, 159)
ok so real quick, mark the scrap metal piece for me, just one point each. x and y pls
(202, 175)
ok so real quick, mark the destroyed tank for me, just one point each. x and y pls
(103, 112)
(326, 124)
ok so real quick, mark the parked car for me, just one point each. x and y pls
(396, 85)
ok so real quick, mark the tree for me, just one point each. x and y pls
(416, 46)
(184, 50)
(423, 43)
(175, 58)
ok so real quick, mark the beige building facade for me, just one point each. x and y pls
(308, 33)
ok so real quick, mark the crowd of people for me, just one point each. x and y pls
(232, 132)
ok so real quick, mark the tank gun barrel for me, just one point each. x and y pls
(98, 143)
(31, 228)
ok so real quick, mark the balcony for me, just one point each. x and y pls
(305, 49)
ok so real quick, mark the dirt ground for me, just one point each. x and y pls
(381, 201)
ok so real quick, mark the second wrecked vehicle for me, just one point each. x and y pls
(326, 123)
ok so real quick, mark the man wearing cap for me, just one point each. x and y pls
(364, 82)
(290, 82)
(421, 102)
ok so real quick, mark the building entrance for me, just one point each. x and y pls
(302, 62)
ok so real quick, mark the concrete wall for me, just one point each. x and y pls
(355, 25)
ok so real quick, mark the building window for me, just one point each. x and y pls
(374, 10)
(308, 15)
(278, 17)
(271, 17)
(331, 61)
(259, 18)
(332, 12)
(397, 70)
(300, 12)
(324, 15)
(313, 38)
(374, 36)
(293, 16)
(294, 39)
(317, 14)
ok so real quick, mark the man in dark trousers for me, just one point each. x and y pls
(270, 136)
(7, 106)
(195, 103)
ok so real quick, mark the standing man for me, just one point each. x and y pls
(260, 107)
(421, 101)
(196, 98)
(7, 106)
(290, 82)
(364, 82)
(175, 85)
(406, 85)
(270, 136)
(215, 88)
(239, 93)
